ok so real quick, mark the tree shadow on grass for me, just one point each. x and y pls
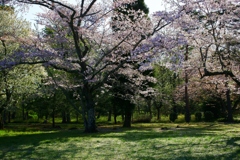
(213, 141)
(27, 143)
(39, 145)
(137, 134)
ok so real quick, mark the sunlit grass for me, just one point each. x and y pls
(144, 141)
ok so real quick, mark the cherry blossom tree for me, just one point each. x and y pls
(84, 45)
(211, 29)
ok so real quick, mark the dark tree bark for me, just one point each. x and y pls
(110, 115)
(98, 115)
(128, 115)
(149, 106)
(1, 123)
(158, 113)
(68, 117)
(23, 113)
(158, 107)
(64, 117)
(5, 116)
(90, 124)
(77, 117)
(115, 118)
(1, 119)
(9, 117)
(27, 115)
(128, 108)
(123, 117)
(53, 117)
(115, 114)
(13, 116)
(89, 119)
(229, 107)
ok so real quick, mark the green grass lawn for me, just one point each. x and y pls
(143, 141)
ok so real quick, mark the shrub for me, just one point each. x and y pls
(198, 116)
(173, 116)
(208, 115)
(142, 119)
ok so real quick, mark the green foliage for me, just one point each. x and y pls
(142, 119)
(20, 82)
(167, 82)
(209, 116)
(139, 5)
(198, 116)
(7, 8)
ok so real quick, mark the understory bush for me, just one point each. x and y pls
(142, 119)
(198, 116)
(208, 116)
(173, 116)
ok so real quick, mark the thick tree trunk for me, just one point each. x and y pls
(229, 107)
(127, 119)
(90, 122)
(128, 109)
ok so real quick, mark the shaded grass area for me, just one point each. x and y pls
(143, 141)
